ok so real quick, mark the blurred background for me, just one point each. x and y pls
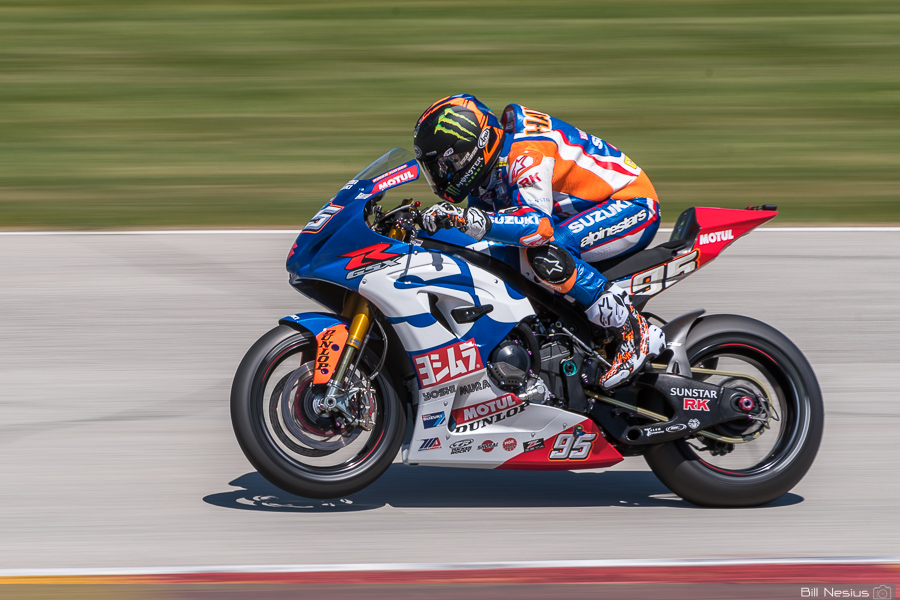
(117, 352)
(227, 114)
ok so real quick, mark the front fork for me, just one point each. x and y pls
(338, 395)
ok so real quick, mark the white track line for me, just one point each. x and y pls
(297, 231)
(375, 567)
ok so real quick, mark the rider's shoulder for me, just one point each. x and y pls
(518, 119)
(512, 120)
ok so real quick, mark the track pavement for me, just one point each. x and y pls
(116, 358)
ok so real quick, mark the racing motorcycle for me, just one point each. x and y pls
(440, 347)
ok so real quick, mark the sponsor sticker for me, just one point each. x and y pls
(487, 445)
(430, 444)
(433, 420)
(485, 421)
(439, 393)
(447, 363)
(532, 445)
(715, 236)
(509, 444)
(384, 176)
(695, 393)
(329, 344)
(461, 447)
(407, 174)
(471, 388)
(487, 408)
(695, 399)
(694, 423)
(696, 404)
(369, 260)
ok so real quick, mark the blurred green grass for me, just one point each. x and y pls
(215, 113)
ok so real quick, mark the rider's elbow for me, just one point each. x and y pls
(542, 235)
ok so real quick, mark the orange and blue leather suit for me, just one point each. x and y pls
(556, 184)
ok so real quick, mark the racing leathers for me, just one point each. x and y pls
(570, 198)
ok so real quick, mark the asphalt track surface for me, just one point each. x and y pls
(116, 450)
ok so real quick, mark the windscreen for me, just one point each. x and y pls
(394, 158)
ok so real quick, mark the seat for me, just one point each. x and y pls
(683, 235)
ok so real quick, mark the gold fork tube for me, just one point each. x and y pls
(359, 328)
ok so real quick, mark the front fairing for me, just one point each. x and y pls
(337, 245)
(410, 283)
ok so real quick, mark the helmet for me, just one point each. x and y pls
(457, 142)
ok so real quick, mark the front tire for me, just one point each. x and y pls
(686, 468)
(293, 446)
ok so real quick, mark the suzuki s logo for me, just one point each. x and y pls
(370, 259)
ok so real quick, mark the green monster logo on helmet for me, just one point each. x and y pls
(454, 123)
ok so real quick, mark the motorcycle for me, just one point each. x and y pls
(442, 348)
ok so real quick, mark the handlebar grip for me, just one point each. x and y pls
(445, 222)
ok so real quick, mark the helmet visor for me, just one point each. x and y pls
(441, 171)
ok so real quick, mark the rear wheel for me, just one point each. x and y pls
(746, 464)
(280, 424)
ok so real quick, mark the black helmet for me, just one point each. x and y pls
(457, 141)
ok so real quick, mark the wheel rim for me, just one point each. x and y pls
(310, 442)
(777, 445)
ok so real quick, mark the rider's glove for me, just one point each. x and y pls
(471, 221)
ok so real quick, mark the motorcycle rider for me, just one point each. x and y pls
(564, 196)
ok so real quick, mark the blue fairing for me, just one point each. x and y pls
(340, 227)
(312, 322)
(502, 252)
(339, 247)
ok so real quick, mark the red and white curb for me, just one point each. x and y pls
(841, 570)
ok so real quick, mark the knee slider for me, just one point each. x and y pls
(553, 265)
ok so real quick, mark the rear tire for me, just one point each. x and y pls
(292, 446)
(687, 473)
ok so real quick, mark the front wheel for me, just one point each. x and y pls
(771, 457)
(278, 420)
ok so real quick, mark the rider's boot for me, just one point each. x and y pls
(639, 341)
